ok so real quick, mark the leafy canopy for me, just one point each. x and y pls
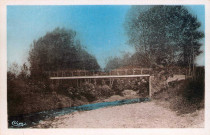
(164, 34)
(60, 50)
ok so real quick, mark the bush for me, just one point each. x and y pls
(140, 85)
(25, 96)
(194, 90)
(14, 98)
(192, 96)
(105, 91)
(88, 91)
(184, 96)
(73, 93)
(118, 86)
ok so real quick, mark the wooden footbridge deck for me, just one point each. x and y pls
(73, 73)
(87, 75)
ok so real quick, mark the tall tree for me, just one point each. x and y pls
(118, 62)
(113, 63)
(164, 34)
(59, 50)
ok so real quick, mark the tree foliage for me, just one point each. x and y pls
(117, 62)
(164, 34)
(113, 63)
(59, 50)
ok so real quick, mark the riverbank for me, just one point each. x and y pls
(138, 115)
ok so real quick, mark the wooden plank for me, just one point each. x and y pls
(150, 92)
(107, 76)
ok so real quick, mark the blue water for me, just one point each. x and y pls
(29, 120)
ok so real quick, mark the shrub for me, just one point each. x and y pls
(105, 91)
(73, 93)
(140, 85)
(27, 96)
(88, 91)
(184, 96)
(194, 90)
(118, 86)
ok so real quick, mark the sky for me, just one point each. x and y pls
(99, 28)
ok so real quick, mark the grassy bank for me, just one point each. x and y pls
(183, 96)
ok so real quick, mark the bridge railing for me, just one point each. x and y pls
(70, 73)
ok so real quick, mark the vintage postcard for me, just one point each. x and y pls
(90, 67)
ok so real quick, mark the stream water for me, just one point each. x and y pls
(29, 120)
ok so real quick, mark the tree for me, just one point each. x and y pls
(166, 35)
(113, 63)
(59, 50)
(13, 71)
(118, 62)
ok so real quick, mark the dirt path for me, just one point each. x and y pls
(139, 115)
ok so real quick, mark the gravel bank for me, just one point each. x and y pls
(139, 115)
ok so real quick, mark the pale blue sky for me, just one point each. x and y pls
(100, 28)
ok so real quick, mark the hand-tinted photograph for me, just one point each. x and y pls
(106, 66)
